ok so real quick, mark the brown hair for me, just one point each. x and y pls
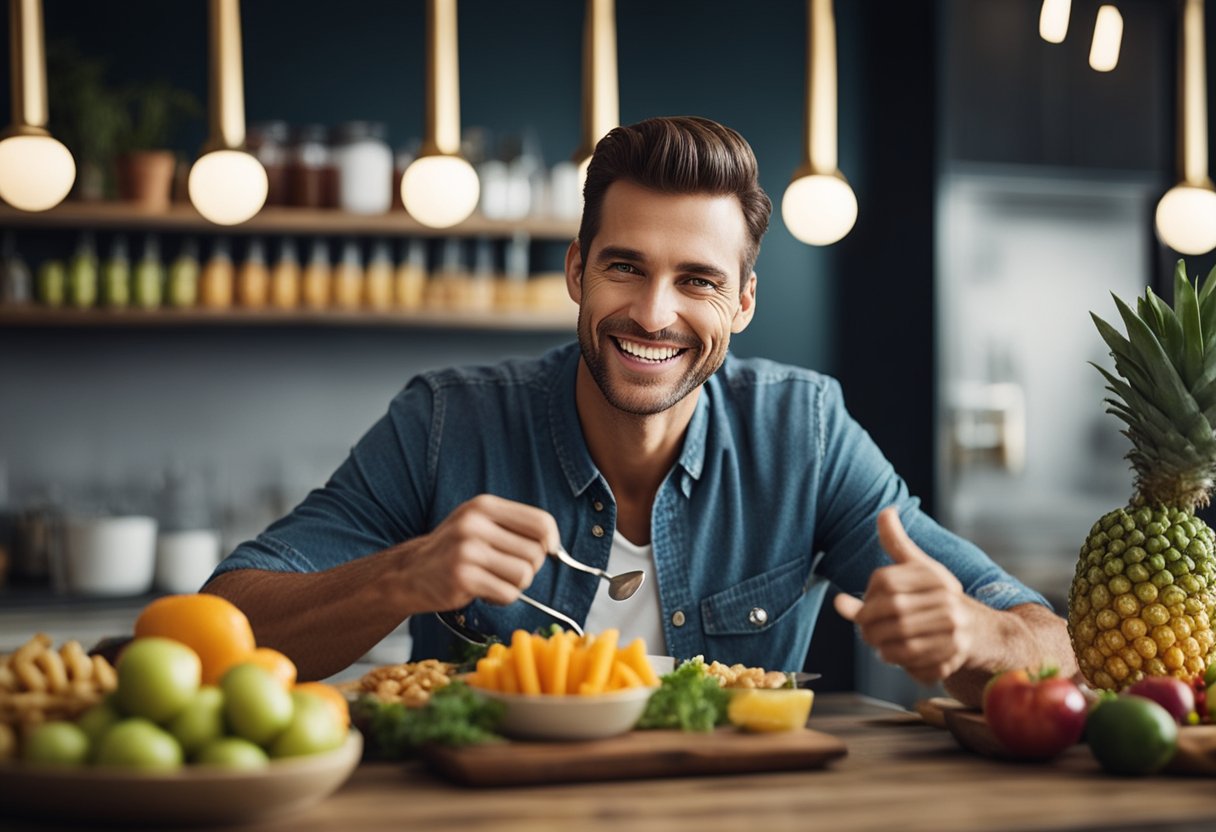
(677, 155)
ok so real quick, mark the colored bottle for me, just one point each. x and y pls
(16, 281)
(184, 276)
(148, 279)
(348, 278)
(315, 283)
(82, 274)
(480, 288)
(116, 276)
(409, 290)
(285, 277)
(52, 283)
(253, 279)
(378, 279)
(216, 283)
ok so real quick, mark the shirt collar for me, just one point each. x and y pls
(567, 432)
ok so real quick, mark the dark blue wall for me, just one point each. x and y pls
(520, 64)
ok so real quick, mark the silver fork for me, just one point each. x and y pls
(560, 616)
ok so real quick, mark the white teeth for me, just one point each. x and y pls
(647, 352)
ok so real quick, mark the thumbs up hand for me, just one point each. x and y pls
(914, 612)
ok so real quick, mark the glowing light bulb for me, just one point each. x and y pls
(1108, 36)
(227, 186)
(1053, 20)
(440, 191)
(819, 209)
(1186, 219)
(36, 172)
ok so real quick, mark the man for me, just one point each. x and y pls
(742, 488)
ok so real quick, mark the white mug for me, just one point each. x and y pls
(109, 555)
(184, 560)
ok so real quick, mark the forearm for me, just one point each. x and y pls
(1028, 635)
(324, 621)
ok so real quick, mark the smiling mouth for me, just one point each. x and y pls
(647, 352)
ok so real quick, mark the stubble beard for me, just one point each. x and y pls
(638, 405)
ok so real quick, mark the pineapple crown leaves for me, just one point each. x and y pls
(1167, 393)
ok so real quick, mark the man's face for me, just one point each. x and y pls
(659, 295)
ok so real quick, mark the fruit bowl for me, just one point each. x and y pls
(545, 717)
(194, 795)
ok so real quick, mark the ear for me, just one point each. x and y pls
(574, 272)
(747, 305)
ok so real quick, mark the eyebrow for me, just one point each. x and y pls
(635, 256)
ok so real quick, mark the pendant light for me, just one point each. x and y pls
(440, 188)
(36, 170)
(226, 184)
(601, 95)
(1108, 36)
(819, 207)
(1053, 20)
(1186, 215)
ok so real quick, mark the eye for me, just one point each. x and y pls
(701, 283)
(627, 268)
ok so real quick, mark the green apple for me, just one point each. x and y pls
(201, 721)
(1209, 675)
(157, 677)
(138, 743)
(97, 720)
(313, 728)
(232, 752)
(256, 705)
(57, 743)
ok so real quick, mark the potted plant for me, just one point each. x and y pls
(145, 165)
(86, 115)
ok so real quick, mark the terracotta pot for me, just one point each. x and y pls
(145, 178)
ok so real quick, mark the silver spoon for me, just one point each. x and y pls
(620, 587)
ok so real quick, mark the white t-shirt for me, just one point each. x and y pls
(639, 616)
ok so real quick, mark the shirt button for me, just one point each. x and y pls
(677, 618)
(597, 530)
(757, 616)
(597, 505)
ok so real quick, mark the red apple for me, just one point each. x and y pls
(1170, 693)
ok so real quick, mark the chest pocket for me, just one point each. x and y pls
(758, 603)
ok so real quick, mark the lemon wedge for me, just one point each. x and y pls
(786, 709)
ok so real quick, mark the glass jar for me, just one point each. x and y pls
(310, 169)
(364, 164)
(268, 142)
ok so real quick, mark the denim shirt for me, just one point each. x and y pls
(775, 495)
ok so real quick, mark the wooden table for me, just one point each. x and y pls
(899, 774)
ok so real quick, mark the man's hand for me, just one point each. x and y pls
(914, 612)
(488, 547)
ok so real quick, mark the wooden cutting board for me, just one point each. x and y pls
(635, 755)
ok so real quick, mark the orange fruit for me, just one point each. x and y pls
(274, 662)
(211, 626)
(332, 696)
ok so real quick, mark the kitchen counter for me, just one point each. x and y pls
(899, 773)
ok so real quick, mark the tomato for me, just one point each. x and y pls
(1035, 716)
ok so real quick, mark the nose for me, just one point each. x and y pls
(654, 306)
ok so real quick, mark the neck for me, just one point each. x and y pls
(634, 453)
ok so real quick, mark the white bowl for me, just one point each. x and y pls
(547, 717)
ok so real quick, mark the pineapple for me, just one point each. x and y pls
(1141, 602)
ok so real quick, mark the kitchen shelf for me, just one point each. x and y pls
(543, 320)
(121, 216)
